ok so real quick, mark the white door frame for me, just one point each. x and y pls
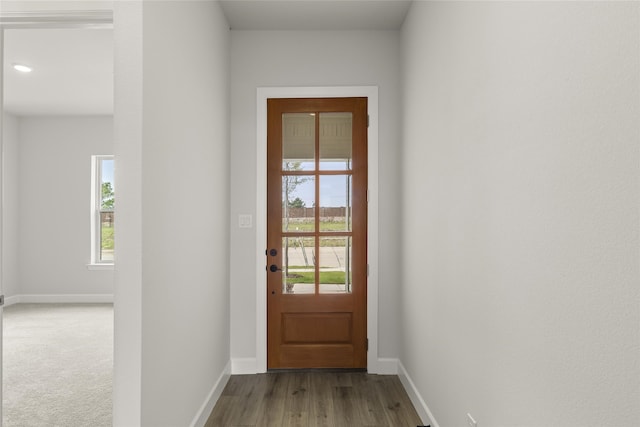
(371, 92)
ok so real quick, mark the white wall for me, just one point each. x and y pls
(172, 129)
(520, 212)
(54, 201)
(10, 285)
(127, 339)
(274, 58)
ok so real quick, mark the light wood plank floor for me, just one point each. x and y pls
(313, 399)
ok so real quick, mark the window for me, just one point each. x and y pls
(102, 209)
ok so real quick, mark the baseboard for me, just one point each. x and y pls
(205, 410)
(61, 299)
(248, 366)
(15, 299)
(244, 366)
(418, 402)
(387, 366)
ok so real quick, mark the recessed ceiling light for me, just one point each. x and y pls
(22, 68)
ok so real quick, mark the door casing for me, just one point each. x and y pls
(371, 92)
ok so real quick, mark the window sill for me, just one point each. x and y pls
(96, 267)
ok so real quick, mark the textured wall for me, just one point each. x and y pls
(185, 197)
(520, 274)
(54, 204)
(10, 219)
(172, 143)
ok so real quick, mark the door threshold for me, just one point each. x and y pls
(321, 370)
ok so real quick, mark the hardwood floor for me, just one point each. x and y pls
(313, 399)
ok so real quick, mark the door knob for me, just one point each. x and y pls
(273, 268)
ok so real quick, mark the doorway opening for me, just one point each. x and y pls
(43, 126)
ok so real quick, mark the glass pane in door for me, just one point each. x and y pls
(334, 262)
(298, 141)
(335, 202)
(298, 203)
(298, 265)
(335, 136)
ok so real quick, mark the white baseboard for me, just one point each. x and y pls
(248, 366)
(244, 366)
(15, 299)
(418, 402)
(60, 299)
(205, 410)
(387, 366)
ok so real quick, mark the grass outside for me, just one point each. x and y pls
(326, 277)
(308, 225)
(106, 241)
(304, 267)
(308, 242)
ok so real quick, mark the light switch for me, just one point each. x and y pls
(245, 221)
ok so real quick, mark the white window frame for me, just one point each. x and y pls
(96, 196)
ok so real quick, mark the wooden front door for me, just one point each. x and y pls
(317, 233)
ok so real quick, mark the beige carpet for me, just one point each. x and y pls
(57, 365)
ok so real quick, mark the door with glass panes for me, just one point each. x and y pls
(317, 233)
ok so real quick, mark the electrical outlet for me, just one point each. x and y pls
(471, 422)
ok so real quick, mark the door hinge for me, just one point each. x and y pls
(367, 120)
(367, 344)
(367, 270)
(1, 300)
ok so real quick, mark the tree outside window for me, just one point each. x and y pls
(104, 210)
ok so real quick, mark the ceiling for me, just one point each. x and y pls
(72, 72)
(73, 68)
(315, 14)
